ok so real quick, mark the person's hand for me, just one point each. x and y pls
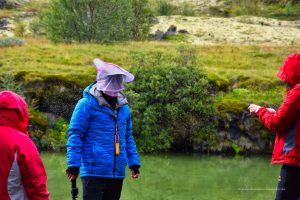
(135, 172)
(271, 110)
(72, 173)
(253, 108)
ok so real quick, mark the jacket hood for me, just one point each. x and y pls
(86, 91)
(290, 70)
(13, 111)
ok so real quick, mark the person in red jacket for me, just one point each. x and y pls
(286, 122)
(22, 173)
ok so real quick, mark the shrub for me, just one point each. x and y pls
(141, 22)
(11, 41)
(164, 8)
(245, 7)
(89, 20)
(171, 106)
(56, 138)
(188, 10)
(97, 20)
(7, 82)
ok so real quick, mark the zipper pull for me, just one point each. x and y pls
(117, 144)
(117, 139)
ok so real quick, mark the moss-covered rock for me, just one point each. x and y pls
(38, 120)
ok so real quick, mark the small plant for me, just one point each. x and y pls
(7, 82)
(236, 149)
(11, 41)
(180, 37)
(36, 27)
(20, 29)
(188, 10)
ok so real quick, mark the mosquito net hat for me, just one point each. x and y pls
(110, 77)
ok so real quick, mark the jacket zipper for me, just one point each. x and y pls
(115, 135)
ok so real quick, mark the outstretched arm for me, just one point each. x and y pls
(283, 117)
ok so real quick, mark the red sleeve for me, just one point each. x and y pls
(33, 172)
(284, 116)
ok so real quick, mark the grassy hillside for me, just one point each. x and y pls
(243, 70)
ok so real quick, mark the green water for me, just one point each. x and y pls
(183, 177)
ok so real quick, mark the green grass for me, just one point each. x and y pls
(252, 68)
(5, 13)
(183, 177)
(229, 61)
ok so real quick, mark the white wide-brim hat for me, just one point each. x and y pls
(105, 70)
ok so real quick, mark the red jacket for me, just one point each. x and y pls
(22, 174)
(286, 120)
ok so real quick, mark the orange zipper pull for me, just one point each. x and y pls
(117, 141)
(117, 144)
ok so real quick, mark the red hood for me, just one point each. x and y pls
(13, 111)
(290, 70)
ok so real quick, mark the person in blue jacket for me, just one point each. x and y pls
(100, 142)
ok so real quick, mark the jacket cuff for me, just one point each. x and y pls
(135, 168)
(73, 170)
(259, 111)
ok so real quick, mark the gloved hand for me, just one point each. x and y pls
(72, 173)
(135, 172)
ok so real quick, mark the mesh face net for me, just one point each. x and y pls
(111, 85)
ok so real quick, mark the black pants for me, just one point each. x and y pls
(289, 183)
(101, 188)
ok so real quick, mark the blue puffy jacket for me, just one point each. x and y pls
(91, 144)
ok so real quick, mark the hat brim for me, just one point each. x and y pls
(112, 69)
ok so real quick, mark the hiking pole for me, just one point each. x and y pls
(74, 190)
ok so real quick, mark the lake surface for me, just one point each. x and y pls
(183, 177)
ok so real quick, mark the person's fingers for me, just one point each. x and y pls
(72, 177)
(252, 107)
(68, 175)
